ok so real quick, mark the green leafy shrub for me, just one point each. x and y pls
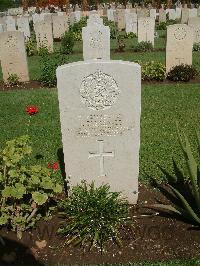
(43, 51)
(182, 73)
(120, 43)
(130, 35)
(93, 216)
(112, 26)
(13, 79)
(143, 47)
(30, 47)
(76, 28)
(185, 188)
(67, 42)
(196, 47)
(161, 26)
(153, 71)
(48, 67)
(24, 191)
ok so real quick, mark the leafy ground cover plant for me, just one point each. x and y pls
(143, 47)
(67, 42)
(186, 188)
(196, 47)
(153, 71)
(120, 43)
(93, 216)
(76, 28)
(13, 79)
(112, 26)
(161, 26)
(48, 68)
(30, 47)
(182, 73)
(25, 191)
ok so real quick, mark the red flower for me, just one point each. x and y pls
(32, 110)
(49, 166)
(55, 166)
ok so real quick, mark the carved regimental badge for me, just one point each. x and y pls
(180, 34)
(99, 91)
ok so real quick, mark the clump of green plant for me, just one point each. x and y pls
(153, 71)
(130, 35)
(76, 28)
(30, 47)
(143, 47)
(185, 187)
(120, 43)
(43, 51)
(13, 79)
(112, 26)
(93, 216)
(25, 191)
(48, 67)
(67, 43)
(182, 73)
(196, 47)
(161, 26)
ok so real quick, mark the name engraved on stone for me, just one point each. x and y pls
(99, 91)
(101, 155)
(102, 125)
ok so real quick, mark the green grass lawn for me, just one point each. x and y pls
(162, 106)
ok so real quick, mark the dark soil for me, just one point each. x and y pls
(152, 237)
(38, 85)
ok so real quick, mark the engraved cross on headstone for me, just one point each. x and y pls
(101, 154)
(179, 59)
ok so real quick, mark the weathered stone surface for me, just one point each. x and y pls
(179, 45)
(60, 26)
(44, 35)
(146, 29)
(96, 42)
(100, 107)
(13, 55)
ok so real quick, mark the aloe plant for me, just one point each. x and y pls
(185, 189)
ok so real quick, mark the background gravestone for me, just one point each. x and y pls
(23, 26)
(13, 55)
(96, 42)
(146, 29)
(179, 45)
(44, 35)
(195, 24)
(131, 23)
(100, 105)
(60, 26)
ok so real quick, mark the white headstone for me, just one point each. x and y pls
(131, 23)
(96, 42)
(44, 35)
(13, 55)
(195, 24)
(60, 26)
(185, 15)
(100, 105)
(179, 45)
(153, 13)
(192, 12)
(162, 15)
(110, 13)
(23, 26)
(146, 30)
(172, 14)
(10, 23)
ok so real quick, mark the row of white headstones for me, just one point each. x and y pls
(96, 43)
